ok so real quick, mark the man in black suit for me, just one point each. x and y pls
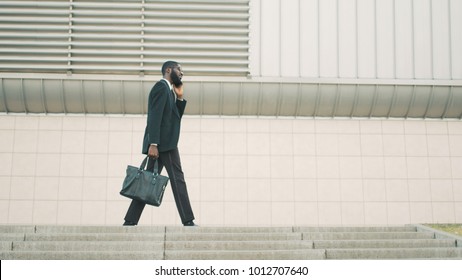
(165, 110)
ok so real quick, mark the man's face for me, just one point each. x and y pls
(176, 75)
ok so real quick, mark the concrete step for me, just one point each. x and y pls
(246, 255)
(222, 230)
(16, 229)
(395, 253)
(169, 255)
(238, 245)
(357, 229)
(81, 255)
(232, 236)
(6, 245)
(151, 246)
(146, 229)
(12, 236)
(403, 243)
(366, 235)
(88, 246)
(94, 237)
(177, 229)
(159, 237)
(99, 229)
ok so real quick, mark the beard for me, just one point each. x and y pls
(176, 79)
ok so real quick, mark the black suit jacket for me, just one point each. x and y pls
(164, 118)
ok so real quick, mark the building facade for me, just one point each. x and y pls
(300, 112)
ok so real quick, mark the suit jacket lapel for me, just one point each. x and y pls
(174, 108)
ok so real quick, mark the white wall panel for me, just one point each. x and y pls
(441, 39)
(347, 39)
(270, 38)
(328, 41)
(309, 43)
(370, 39)
(290, 42)
(255, 40)
(422, 39)
(404, 45)
(366, 39)
(456, 38)
(385, 39)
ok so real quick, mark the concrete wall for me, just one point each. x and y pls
(63, 169)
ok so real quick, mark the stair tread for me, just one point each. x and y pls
(87, 245)
(394, 253)
(81, 255)
(357, 229)
(381, 243)
(244, 255)
(366, 235)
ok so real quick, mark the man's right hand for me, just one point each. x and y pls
(178, 91)
(153, 152)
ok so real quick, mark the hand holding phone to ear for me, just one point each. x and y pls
(178, 91)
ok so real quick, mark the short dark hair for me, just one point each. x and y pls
(168, 64)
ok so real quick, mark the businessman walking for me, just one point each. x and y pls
(165, 110)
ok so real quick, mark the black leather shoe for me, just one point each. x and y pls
(128, 223)
(190, 224)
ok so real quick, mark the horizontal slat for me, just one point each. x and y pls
(135, 29)
(179, 3)
(126, 13)
(30, 50)
(120, 21)
(25, 36)
(114, 37)
(115, 60)
(121, 68)
(28, 20)
(10, 11)
(120, 4)
(169, 46)
(161, 22)
(33, 3)
(28, 26)
(121, 52)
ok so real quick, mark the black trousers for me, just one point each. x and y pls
(171, 161)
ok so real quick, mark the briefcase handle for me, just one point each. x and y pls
(156, 166)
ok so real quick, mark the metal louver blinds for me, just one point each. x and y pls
(131, 37)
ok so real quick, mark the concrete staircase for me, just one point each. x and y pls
(256, 243)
